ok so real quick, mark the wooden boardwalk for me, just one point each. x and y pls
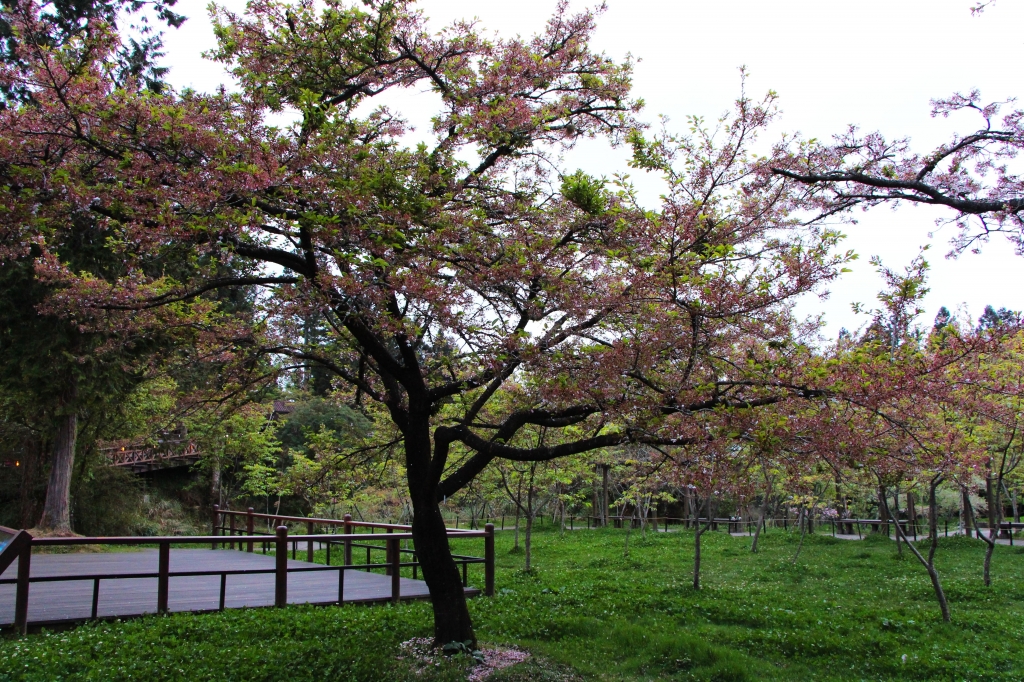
(71, 600)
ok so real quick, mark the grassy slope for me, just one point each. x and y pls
(844, 611)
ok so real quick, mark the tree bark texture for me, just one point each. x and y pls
(430, 537)
(57, 508)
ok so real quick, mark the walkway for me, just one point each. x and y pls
(71, 600)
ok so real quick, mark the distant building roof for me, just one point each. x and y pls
(281, 408)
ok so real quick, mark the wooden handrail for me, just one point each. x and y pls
(19, 547)
(392, 565)
(206, 539)
(322, 521)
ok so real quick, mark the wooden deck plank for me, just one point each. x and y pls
(54, 602)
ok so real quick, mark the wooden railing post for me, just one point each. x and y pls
(216, 523)
(395, 569)
(388, 559)
(489, 560)
(348, 543)
(21, 599)
(250, 526)
(309, 545)
(281, 566)
(231, 529)
(163, 577)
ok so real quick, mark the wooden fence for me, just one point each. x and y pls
(736, 524)
(18, 545)
(228, 525)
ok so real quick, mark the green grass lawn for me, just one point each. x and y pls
(844, 611)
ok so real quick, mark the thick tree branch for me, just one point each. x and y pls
(171, 297)
(923, 192)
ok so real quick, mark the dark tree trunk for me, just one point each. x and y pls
(883, 517)
(527, 541)
(933, 532)
(686, 507)
(35, 451)
(430, 537)
(515, 545)
(447, 595)
(561, 509)
(995, 503)
(215, 481)
(530, 514)
(912, 512)
(692, 509)
(846, 527)
(57, 508)
(760, 524)
(697, 533)
(604, 486)
(993, 495)
(967, 510)
(894, 516)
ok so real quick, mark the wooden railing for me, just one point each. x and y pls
(238, 528)
(143, 458)
(1006, 529)
(738, 524)
(19, 544)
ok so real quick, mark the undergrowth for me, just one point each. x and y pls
(845, 610)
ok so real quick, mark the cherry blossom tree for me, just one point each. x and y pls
(473, 288)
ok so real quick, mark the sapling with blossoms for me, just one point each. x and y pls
(900, 439)
(711, 469)
(903, 417)
(993, 383)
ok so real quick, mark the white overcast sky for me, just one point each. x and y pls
(875, 63)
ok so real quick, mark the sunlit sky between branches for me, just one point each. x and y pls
(874, 63)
